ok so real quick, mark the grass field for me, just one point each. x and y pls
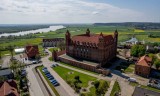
(138, 30)
(125, 33)
(115, 89)
(64, 73)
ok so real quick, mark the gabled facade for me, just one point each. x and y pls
(32, 51)
(143, 66)
(8, 88)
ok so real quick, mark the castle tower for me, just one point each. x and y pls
(115, 40)
(101, 41)
(88, 32)
(68, 40)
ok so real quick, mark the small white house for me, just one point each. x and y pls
(19, 50)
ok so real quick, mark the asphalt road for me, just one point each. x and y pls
(36, 87)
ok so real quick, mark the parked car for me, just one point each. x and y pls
(53, 65)
(44, 70)
(51, 78)
(132, 80)
(46, 73)
(57, 64)
(34, 62)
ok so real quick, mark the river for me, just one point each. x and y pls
(44, 30)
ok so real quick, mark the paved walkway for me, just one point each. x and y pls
(6, 61)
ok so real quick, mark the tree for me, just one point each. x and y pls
(14, 67)
(76, 78)
(96, 84)
(157, 63)
(1, 52)
(11, 49)
(152, 56)
(138, 50)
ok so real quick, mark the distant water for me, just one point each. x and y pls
(44, 30)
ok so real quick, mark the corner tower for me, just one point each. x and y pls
(68, 40)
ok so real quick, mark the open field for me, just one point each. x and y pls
(125, 33)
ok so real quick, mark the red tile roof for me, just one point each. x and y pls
(8, 88)
(32, 50)
(144, 61)
(92, 38)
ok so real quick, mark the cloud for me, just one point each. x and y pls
(1, 8)
(65, 11)
(95, 12)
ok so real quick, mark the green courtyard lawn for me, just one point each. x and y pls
(78, 68)
(50, 84)
(116, 88)
(68, 74)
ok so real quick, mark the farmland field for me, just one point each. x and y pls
(125, 33)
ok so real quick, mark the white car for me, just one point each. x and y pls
(132, 80)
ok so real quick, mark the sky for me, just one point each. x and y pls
(78, 11)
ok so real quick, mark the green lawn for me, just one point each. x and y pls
(130, 68)
(78, 68)
(64, 73)
(50, 84)
(116, 88)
